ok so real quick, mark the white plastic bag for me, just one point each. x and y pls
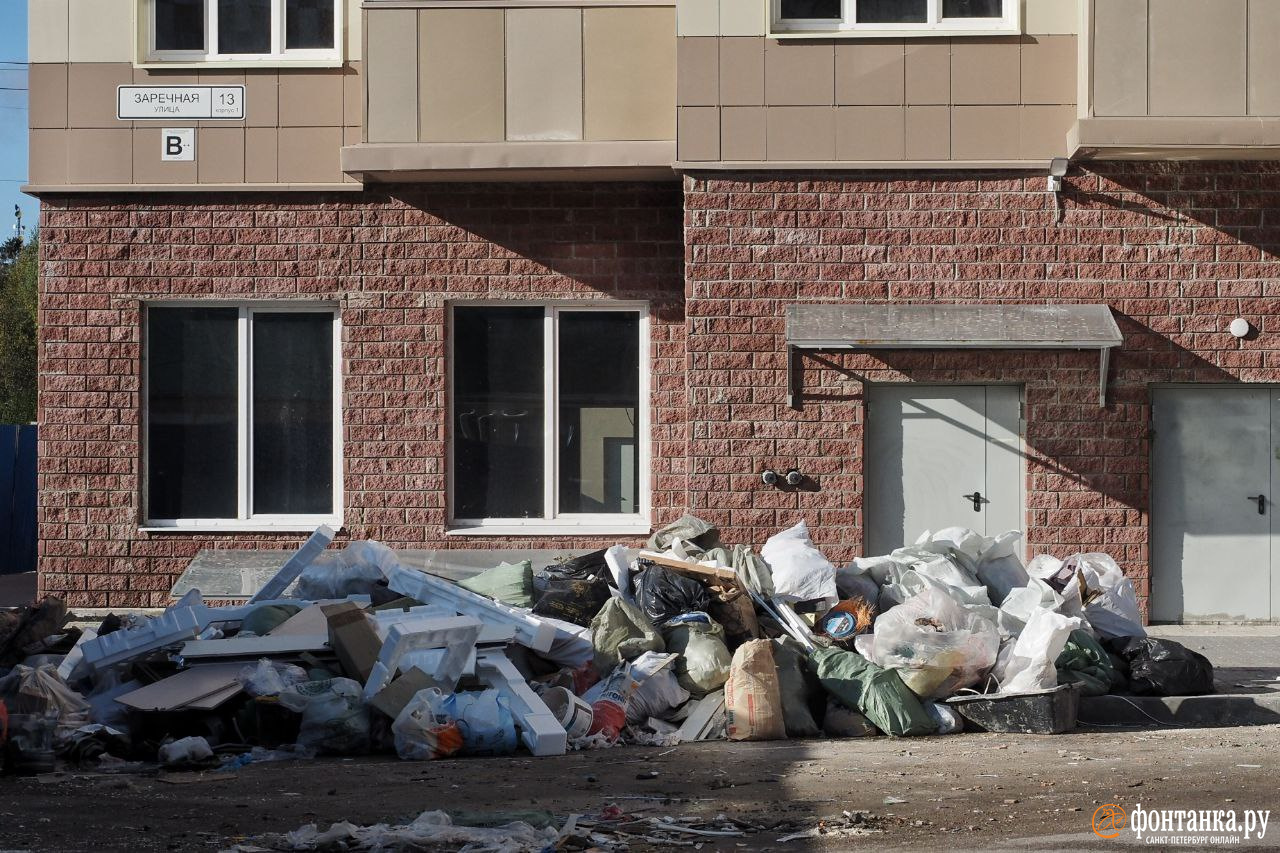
(999, 568)
(659, 689)
(1030, 665)
(419, 734)
(270, 678)
(355, 570)
(483, 717)
(936, 645)
(334, 719)
(800, 572)
(1112, 607)
(188, 750)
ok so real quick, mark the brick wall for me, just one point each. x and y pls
(390, 259)
(1177, 250)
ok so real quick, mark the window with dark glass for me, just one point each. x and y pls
(544, 429)
(239, 29)
(217, 450)
(924, 16)
(805, 9)
(179, 25)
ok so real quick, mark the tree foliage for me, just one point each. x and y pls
(19, 268)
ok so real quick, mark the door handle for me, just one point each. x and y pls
(1262, 503)
(978, 500)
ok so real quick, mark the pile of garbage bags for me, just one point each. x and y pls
(349, 651)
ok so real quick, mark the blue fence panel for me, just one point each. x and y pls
(17, 499)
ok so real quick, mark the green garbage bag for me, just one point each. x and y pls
(788, 657)
(509, 583)
(621, 631)
(1084, 661)
(704, 658)
(875, 691)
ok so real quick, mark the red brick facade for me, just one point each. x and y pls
(1177, 250)
(390, 260)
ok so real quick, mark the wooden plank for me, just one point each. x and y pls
(187, 687)
(309, 621)
(717, 574)
(255, 646)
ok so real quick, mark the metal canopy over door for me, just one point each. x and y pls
(941, 456)
(1214, 476)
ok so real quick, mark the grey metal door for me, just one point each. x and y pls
(941, 456)
(1213, 477)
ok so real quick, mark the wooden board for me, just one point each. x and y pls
(185, 689)
(717, 574)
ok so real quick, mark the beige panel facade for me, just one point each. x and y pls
(878, 100)
(391, 67)
(461, 81)
(698, 59)
(1198, 58)
(1120, 58)
(99, 156)
(698, 17)
(799, 73)
(698, 132)
(47, 95)
(741, 71)
(101, 31)
(871, 73)
(544, 74)
(221, 155)
(47, 30)
(311, 97)
(629, 73)
(1264, 59)
(1051, 17)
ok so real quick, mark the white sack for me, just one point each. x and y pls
(800, 572)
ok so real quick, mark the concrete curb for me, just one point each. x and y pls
(1181, 711)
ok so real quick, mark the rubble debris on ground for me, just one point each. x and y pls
(349, 651)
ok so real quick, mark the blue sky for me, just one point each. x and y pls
(13, 116)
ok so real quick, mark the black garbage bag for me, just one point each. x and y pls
(573, 599)
(579, 568)
(1159, 667)
(662, 594)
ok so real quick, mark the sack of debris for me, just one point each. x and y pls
(355, 570)
(936, 646)
(574, 600)
(39, 691)
(752, 695)
(800, 571)
(508, 583)
(798, 689)
(1083, 661)
(1029, 666)
(334, 718)
(662, 594)
(704, 660)
(1160, 667)
(876, 692)
(1110, 601)
(483, 718)
(659, 691)
(621, 632)
(420, 735)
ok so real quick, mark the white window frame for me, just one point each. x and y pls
(246, 520)
(846, 25)
(210, 53)
(556, 522)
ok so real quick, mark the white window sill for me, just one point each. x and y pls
(891, 34)
(624, 528)
(214, 64)
(307, 527)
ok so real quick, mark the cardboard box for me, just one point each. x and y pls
(352, 638)
(392, 698)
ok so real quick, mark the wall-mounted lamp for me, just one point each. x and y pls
(1240, 327)
(1057, 171)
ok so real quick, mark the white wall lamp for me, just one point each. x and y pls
(1240, 327)
(1057, 171)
